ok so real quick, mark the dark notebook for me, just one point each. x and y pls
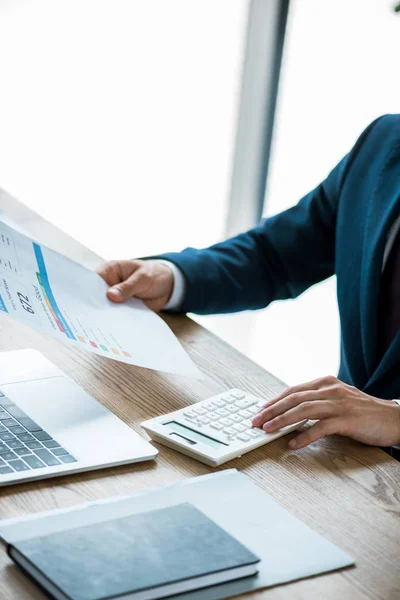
(144, 556)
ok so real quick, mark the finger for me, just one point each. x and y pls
(307, 410)
(281, 406)
(109, 272)
(316, 384)
(314, 433)
(157, 304)
(136, 285)
(116, 271)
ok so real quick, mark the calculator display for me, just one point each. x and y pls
(194, 436)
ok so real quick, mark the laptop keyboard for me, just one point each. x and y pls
(24, 444)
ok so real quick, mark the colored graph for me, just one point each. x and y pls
(3, 307)
(61, 320)
(48, 294)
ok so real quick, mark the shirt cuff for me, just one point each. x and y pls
(178, 290)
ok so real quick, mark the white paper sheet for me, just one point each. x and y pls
(63, 299)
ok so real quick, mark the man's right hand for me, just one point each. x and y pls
(151, 281)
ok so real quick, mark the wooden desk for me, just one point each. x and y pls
(348, 492)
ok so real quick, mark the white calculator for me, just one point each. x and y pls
(218, 429)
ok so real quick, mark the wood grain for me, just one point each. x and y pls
(348, 492)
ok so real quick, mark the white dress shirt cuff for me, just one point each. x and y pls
(178, 291)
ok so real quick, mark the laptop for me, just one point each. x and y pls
(49, 426)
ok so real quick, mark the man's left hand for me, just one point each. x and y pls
(338, 408)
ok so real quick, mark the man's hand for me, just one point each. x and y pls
(338, 408)
(150, 281)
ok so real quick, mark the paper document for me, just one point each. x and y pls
(63, 299)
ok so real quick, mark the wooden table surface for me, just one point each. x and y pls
(348, 492)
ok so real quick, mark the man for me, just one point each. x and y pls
(348, 226)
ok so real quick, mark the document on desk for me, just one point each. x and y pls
(288, 548)
(63, 299)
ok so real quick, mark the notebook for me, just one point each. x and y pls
(144, 556)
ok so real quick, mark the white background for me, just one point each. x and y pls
(117, 117)
(117, 123)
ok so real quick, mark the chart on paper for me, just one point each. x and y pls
(59, 297)
(74, 328)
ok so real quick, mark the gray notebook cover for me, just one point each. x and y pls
(133, 553)
(288, 548)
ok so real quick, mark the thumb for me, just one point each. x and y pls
(130, 287)
(114, 294)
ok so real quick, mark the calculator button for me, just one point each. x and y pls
(204, 420)
(189, 414)
(245, 414)
(247, 424)
(228, 399)
(226, 421)
(222, 412)
(238, 395)
(253, 409)
(245, 403)
(214, 416)
(258, 432)
(217, 426)
(191, 418)
(229, 431)
(235, 418)
(252, 433)
(200, 411)
(239, 427)
(243, 437)
(232, 409)
(211, 405)
(219, 402)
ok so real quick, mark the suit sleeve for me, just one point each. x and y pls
(279, 259)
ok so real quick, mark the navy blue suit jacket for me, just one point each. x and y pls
(338, 228)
